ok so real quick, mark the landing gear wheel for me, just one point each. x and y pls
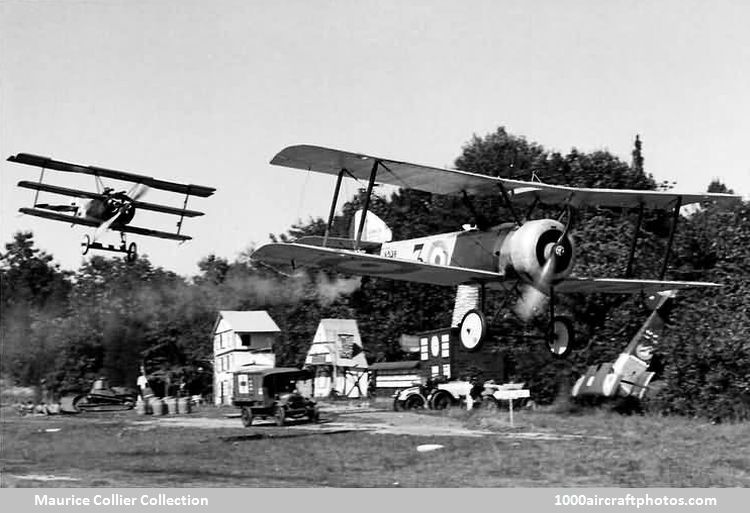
(132, 252)
(85, 244)
(280, 416)
(473, 330)
(414, 402)
(561, 341)
(247, 417)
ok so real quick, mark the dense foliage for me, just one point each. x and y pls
(109, 317)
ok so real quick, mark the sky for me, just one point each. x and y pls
(207, 92)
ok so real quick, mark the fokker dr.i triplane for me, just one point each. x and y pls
(107, 209)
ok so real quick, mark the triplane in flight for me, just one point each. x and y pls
(107, 209)
(528, 259)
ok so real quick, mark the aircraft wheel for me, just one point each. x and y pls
(85, 244)
(132, 253)
(473, 330)
(247, 416)
(562, 341)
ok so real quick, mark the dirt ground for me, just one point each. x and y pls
(361, 445)
(374, 420)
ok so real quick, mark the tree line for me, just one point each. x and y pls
(109, 317)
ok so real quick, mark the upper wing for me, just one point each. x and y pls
(400, 174)
(622, 286)
(350, 262)
(626, 198)
(94, 224)
(451, 181)
(47, 163)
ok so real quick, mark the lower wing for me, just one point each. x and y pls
(362, 264)
(622, 286)
(55, 216)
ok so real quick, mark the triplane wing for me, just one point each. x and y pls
(57, 165)
(107, 209)
(54, 216)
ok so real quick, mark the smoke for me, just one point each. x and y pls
(329, 290)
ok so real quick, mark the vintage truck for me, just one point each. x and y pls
(272, 392)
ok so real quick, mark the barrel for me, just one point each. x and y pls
(171, 403)
(157, 406)
(183, 405)
(141, 407)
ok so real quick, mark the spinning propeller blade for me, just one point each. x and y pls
(534, 297)
(105, 225)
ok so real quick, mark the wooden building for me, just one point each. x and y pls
(338, 358)
(240, 338)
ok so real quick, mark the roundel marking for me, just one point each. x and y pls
(435, 346)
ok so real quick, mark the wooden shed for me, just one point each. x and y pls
(338, 359)
(240, 338)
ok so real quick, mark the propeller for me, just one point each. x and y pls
(102, 228)
(534, 296)
(138, 191)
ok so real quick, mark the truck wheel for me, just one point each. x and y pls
(280, 415)
(247, 417)
(441, 401)
(414, 402)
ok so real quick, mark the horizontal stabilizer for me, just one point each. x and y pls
(48, 163)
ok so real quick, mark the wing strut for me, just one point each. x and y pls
(672, 230)
(333, 206)
(634, 242)
(36, 195)
(370, 185)
(184, 207)
(509, 203)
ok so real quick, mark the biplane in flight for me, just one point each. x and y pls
(107, 209)
(525, 256)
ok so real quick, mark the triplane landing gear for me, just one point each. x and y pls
(130, 250)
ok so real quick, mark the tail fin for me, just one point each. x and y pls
(375, 229)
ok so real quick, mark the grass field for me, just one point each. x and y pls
(543, 449)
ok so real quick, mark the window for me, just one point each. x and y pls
(246, 339)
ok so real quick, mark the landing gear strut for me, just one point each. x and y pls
(130, 250)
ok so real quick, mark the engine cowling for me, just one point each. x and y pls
(525, 250)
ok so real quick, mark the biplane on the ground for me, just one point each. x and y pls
(528, 259)
(107, 209)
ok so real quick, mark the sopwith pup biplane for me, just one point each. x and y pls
(528, 259)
